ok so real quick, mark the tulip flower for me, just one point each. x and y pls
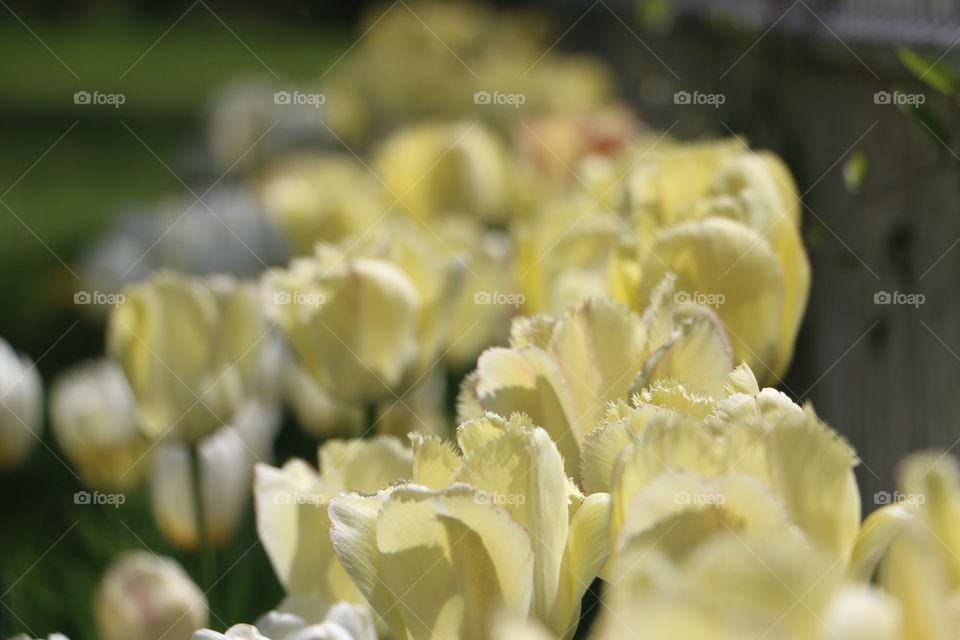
(912, 542)
(21, 406)
(501, 527)
(94, 419)
(726, 221)
(351, 322)
(320, 198)
(291, 510)
(567, 257)
(192, 350)
(563, 371)
(442, 167)
(341, 622)
(226, 463)
(146, 597)
(732, 585)
(758, 440)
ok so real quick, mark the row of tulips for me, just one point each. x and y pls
(620, 299)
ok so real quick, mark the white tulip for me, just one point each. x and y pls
(146, 597)
(94, 418)
(227, 458)
(342, 621)
(21, 407)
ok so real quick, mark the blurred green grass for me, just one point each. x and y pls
(59, 202)
(99, 166)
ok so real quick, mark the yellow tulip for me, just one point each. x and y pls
(291, 507)
(352, 322)
(564, 371)
(914, 542)
(21, 407)
(726, 221)
(320, 198)
(146, 597)
(442, 167)
(783, 450)
(731, 585)
(192, 350)
(499, 527)
(94, 419)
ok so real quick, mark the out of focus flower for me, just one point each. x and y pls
(192, 350)
(21, 406)
(564, 257)
(733, 585)
(292, 519)
(557, 146)
(563, 371)
(252, 119)
(402, 70)
(725, 220)
(320, 198)
(145, 597)
(316, 411)
(342, 621)
(499, 527)
(723, 525)
(225, 233)
(94, 419)
(442, 168)
(487, 296)
(226, 462)
(52, 636)
(351, 322)
(914, 542)
(735, 470)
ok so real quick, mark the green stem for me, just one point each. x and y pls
(206, 559)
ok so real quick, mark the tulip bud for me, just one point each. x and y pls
(20, 406)
(146, 597)
(192, 350)
(227, 458)
(352, 322)
(94, 421)
(444, 167)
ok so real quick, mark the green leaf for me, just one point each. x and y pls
(855, 171)
(931, 72)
